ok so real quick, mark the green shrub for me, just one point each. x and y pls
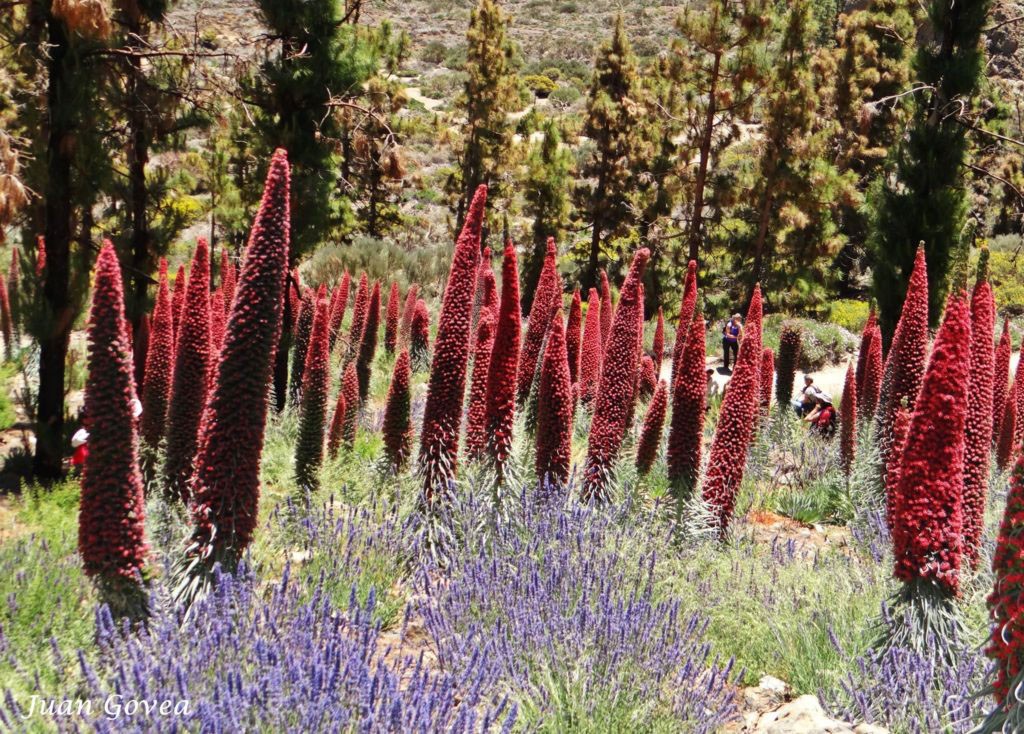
(565, 96)
(823, 343)
(1007, 276)
(849, 313)
(539, 84)
(434, 52)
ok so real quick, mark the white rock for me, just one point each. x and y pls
(803, 715)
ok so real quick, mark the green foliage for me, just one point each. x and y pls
(849, 313)
(822, 343)
(1006, 273)
(539, 84)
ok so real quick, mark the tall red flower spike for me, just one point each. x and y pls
(927, 522)
(40, 256)
(546, 301)
(848, 422)
(978, 435)
(790, 344)
(736, 422)
(391, 320)
(650, 435)
(904, 367)
(1018, 381)
(368, 344)
(339, 302)
(900, 429)
(156, 393)
(362, 303)
(226, 485)
(869, 390)
(191, 378)
(648, 377)
(309, 447)
(419, 340)
(1001, 380)
(6, 322)
(301, 336)
(218, 322)
(476, 421)
(866, 336)
(573, 336)
(686, 431)
(504, 365)
(607, 311)
(14, 292)
(405, 330)
(442, 415)
(687, 307)
(486, 297)
(1006, 602)
(1005, 451)
(592, 353)
(111, 518)
(767, 379)
(397, 426)
(554, 411)
(334, 434)
(616, 395)
(228, 282)
(658, 345)
(178, 300)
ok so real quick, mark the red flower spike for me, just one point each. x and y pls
(391, 320)
(368, 344)
(785, 365)
(504, 365)
(405, 330)
(866, 335)
(616, 395)
(339, 302)
(226, 484)
(904, 367)
(191, 378)
(334, 435)
(554, 411)
(111, 518)
(1005, 451)
(546, 301)
(362, 303)
(648, 377)
(1006, 602)
(686, 310)
(40, 256)
(309, 447)
(178, 300)
(978, 436)
(420, 339)
(476, 422)
(868, 392)
(650, 435)
(1001, 379)
(736, 421)
(928, 519)
(1018, 381)
(442, 415)
(218, 321)
(228, 282)
(301, 336)
(689, 398)
(397, 426)
(573, 336)
(848, 422)
(900, 429)
(592, 353)
(156, 393)
(658, 346)
(767, 379)
(607, 311)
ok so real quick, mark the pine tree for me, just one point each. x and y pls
(922, 196)
(546, 188)
(489, 94)
(612, 122)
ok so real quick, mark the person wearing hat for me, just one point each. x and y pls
(822, 418)
(80, 443)
(732, 332)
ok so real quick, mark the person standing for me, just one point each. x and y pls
(732, 332)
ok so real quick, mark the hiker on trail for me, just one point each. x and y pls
(806, 401)
(822, 418)
(732, 332)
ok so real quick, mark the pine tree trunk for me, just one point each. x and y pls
(53, 345)
(593, 264)
(696, 219)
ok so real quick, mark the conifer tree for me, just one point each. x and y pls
(613, 118)
(922, 196)
(546, 189)
(489, 94)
